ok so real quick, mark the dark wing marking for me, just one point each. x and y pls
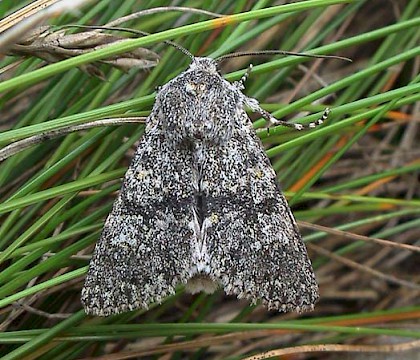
(145, 247)
(255, 249)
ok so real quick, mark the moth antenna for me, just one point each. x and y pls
(132, 31)
(277, 52)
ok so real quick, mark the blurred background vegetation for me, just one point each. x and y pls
(353, 183)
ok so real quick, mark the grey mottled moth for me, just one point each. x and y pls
(200, 205)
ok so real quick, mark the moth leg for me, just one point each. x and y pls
(311, 125)
(254, 105)
(240, 84)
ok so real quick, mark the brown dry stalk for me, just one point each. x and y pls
(182, 346)
(196, 344)
(23, 144)
(24, 20)
(337, 348)
(350, 235)
(156, 10)
(366, 269)
(29, 10)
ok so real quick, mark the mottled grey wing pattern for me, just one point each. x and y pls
(134, 262)
(199, 205)
(256, 251)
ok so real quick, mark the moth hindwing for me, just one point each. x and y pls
(200, 205)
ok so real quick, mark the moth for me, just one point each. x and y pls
(200, 205)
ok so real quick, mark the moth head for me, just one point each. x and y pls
(205, 64)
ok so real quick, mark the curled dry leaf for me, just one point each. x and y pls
(54, 46)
